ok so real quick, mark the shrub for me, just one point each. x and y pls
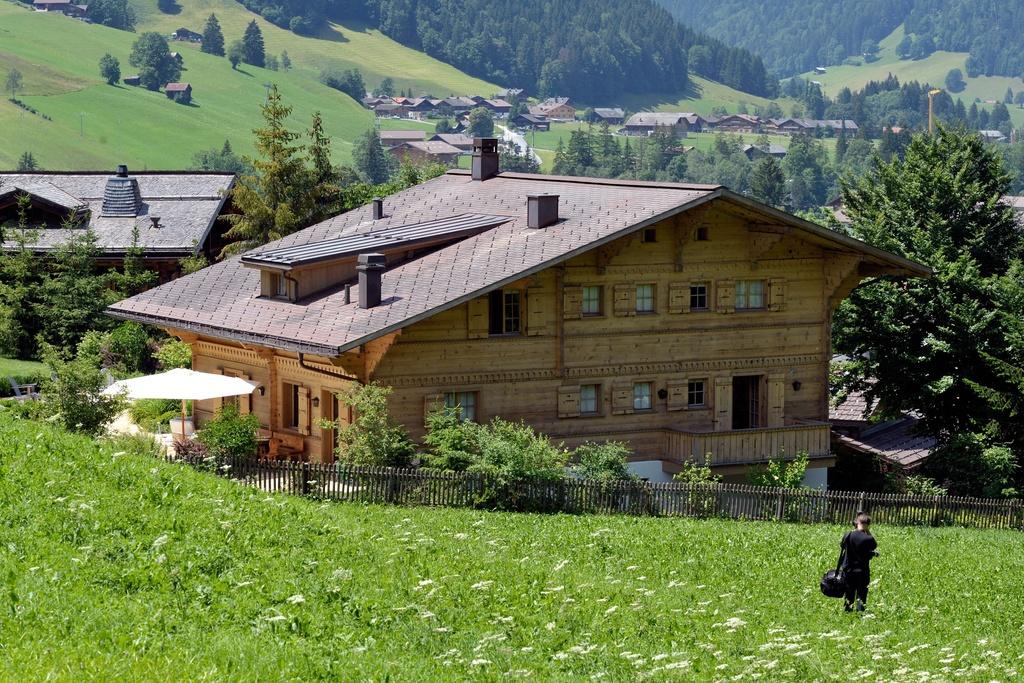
(971, 465)
(603, 461)
(137, 444)
(453, 444)
(692, 473)
(153, 413)
(230, 434)
(27, 410)
(373, 438)
(128, 348)
(174, 354)
(513, 451)
(192, 450)
(75, 393)
(781, 473)
(917, 485)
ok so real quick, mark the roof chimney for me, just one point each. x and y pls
(155, 220)
(378, 208)
(370, 268)
(541, 210)
(485, 158)
(121, 198)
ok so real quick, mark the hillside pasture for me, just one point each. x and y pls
(118, 566)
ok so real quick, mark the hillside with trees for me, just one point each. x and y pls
(794, 37)
(592, 50)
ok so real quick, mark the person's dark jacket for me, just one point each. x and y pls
(860, 548)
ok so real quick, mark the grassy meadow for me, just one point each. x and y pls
(119, 567)
(932, 70)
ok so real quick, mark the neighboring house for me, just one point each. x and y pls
(386, 109)
(799, 126)
(992, 136)
(187, 35)
(179, 92)
(419, 107)
(646, 122)
(687, 320)
(456, 105)
(820, 70)
(754, 152)
(509, 94)
(175, 212)
(497, 107)
(531, 122)
(394, 138)
(612, 116)
(836, 205)
(176, 56)
(869, 443)
(132, 80)
(555, 108)
(370, 101)
(59, 6)
(427, 151)
(460, 141)
(738, 123)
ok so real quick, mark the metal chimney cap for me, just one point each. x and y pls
(122, 170)
(372, 261)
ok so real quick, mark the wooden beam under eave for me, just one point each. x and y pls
(374, 353)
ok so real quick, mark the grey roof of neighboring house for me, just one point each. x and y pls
(895, 441)
(656, 118)
(187, 204)
(434, 147)
(459, 140)
(224, 300)
(397, 135)
(610, 112)
(774, 150)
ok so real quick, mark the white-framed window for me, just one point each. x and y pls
(642, 396)
(464, 402)
(504, 312)
(645, 298)
(749, 294)
(699, 296)
(592, 300)
(696, 393)
(590, 401)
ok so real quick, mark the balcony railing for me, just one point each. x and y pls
(747, 446)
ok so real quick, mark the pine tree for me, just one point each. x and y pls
(325, 199)
(560, 165)
(252, 45)
(286, 61)
(134, 276)
(768, 182)
(273, 199)
(373, 162)
(21, 278)
(841, 146)
(27, 162)
(74, 297)
(213, 38)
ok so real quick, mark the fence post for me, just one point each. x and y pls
(780, 505)
(860, 503)
(305, 478)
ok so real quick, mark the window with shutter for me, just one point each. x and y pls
(568, 402)
(592, 300)
(777, 294)
(679, 297)
(622, 399)
(726, 303)
(572, 302)
(723, 404)
(776, 400)
(590, 399)
(536, 313)
(304, 417)
(625, 300)
(676, 395)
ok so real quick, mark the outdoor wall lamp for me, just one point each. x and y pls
(262, 390)
(662, 394)
(796, 385)
(316, 401)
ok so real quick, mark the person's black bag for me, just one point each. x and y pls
(833, 583)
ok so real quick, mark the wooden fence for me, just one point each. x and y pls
(576, 496)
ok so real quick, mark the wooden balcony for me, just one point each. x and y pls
(748, 446)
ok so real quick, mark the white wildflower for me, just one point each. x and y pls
(480, 662)
(481, 585)
(560, 565)
(296, 599)
(611, 610)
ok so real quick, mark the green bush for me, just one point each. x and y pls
(373, 438)
(152, 414)
(452, 443)
(174, 354)
(513, 451)
(230, 434)
(27, 410)
(781, 473)
(128, 348)
(692, 473)
(603, 461)
(972, 465)
(917, 485)
(74, 392)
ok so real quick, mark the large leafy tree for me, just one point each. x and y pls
(950, 346)
(152, 57)
(110, 69)
(213, 37)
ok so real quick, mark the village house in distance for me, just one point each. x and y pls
(175, 212)
(687, 320)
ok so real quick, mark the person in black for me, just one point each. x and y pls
(858, 547)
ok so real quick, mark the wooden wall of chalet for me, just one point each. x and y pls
(533, 376)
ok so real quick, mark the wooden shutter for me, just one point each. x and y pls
(677, 394)
(622, 399)
(723, 404)
(568, 401)
(478, 321)
(776, 400)
(726, 290)
(245, 400)
(304, 410)
(572, 302)
(679, 297)
(777, 294)
(536, 313)
(431, 404)
(625, 299)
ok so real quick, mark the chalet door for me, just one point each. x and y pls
(747, 402)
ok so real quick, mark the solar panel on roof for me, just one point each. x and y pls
(388, 238)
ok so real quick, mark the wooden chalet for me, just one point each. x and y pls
(801, 126)
(755, 152)
(498, 107)
(460, 141)
(396, 138)
(677, 123)
(688, 320)
(555, 108)
(187, 35)
(68, 8)
(531, 122)
(737, 123)
(175, 212)
(179, 92)
(613, 116)
(427, 151)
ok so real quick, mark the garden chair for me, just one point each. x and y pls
(23, 392)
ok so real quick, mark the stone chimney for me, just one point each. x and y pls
(370, 268)
(121, 198)
(541, 210)
(485, 158)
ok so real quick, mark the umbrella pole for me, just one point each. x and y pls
(182, 419)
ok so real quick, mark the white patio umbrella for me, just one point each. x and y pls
(184, 384)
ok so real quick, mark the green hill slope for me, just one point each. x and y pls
(117, 567)
(94, 126)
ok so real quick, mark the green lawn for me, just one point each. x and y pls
(931, 70)
(9, 367)
(116, 567)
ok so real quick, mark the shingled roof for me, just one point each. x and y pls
(186, 203)
(224, 300)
